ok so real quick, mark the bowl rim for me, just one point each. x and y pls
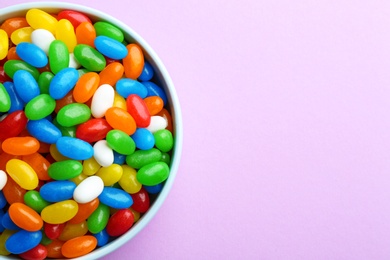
(168, 87)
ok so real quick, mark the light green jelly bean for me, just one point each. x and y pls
(65, 130)
(89, 57)
(98, 220)
(12, 66)
(73, 114)
(40, 107)
(163, 140)
(34, 200)
(44, 81)
(165, 157)
(5, 100)
(58, 56)
(109, 30)
(120, 142)
(143, 157)
(64, 170)
(153, 173)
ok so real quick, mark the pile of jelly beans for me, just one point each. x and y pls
(85, 134)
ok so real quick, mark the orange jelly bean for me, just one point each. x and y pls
(12, 24)
(121, 119)
(86, 87)
(111, 74)
(86, 34)
(13, 192)
(20, 145)
(12, 54)
(154, 104)
(79, 246)
(40, 165)
(134, 61)
(85, 210)
(25, 217)
(44, 148)
(165, 114)
(54, 249)
(60, 103)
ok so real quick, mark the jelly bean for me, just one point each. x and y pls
(119, 158)
(39, 19)
(79, 178)
(59, 212)
(73, 114)
(120, 222)
(37, 253)
(12, 55)
(138, 110)
(147, 72)
(120, 142)
(40, 107)
(12, 125)
(5, 100)
(89, 58)
(126, 87)
(56, 191)
(98, 220)
(34, 200)
(157, 123)
(115, 198)
(154, 104)
(56, 155)
(143, 138)
(44, 130)
(12, 66)
(63, 82)
(74, 230)
(86, 34)
(64, 170)
(163, 140)
(93, 130)
(88, 190)
(167, 116)
(110, 48)
(3, 238)
(165, 157)
(141, 201)
(154, 189)
(73, 62)
(25, 85)
(76, 18)
(13, 192)
(68, 99)
(74, 148)
(79, 246)
(42, 38)
(85, 210)
(119, 102)
(121, 120)
(3, 181)
(45, 240)
(5, 157)
(32, 54)
(102, 100)
(20, 145)
(110, 174)
(44, 82)
(153, 173)
(16, 102)
(44, 148)
(25, 217)
(23, 241)
(22, 173)
(155, 90)
(53, 231)
(85, 87)
(3, 44)
(136, 215)
(3, 76)
(102, 238)
(134, 61)
(12, 24)
(109, 30)
(143, 157)
(21, 35)
(103, 154)
(65, 33)
(129, 182)
(90, 166)
(54, 249)
(7, 222)
(111, 74)
(58, 56)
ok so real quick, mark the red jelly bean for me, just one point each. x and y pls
(76, 18)
(138, 110)
(37, 253)
(12, 125)
(3, 77)
(120, 222)
(141, 201)
(93, 130)
(53, 231)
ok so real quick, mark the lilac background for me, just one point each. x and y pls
(286, 121)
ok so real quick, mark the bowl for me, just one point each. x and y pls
(162, 78)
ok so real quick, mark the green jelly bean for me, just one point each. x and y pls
(89, 57)
(98, 220)
(44, 81)
(165, 157)
(33, 199)
(120, 142)
(64, 170)
(73, 114)
(143, 157)
(153, 173)
(109, 30)
(58, 56)
(65, 130)
(12, 66)
(45, 240)
(5, 100)
(163, 140)
(40, 107)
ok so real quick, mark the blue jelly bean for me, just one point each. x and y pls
(143, 138)
(154, 90)
(119, 158)
(7, 222)
(16, 102)
(147, 72)
(63, 82)
(115, 198)
(23, 241)
(110, 47)
(25, 85)
(44, 130)
(56, 191)
(3, 200)
(2, 228)
(74, 148)
(154, 189)
(32, 54)
(126, 86)
(102, 237)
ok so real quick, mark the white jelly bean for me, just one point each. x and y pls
(3, 179)
(157, 123)
(73, 63)
(103, 154)
(42, 38)
(102, 100)
(88, 190)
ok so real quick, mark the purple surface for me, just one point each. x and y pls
(286, 128)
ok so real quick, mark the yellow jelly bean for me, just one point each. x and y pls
(22, 173)
(21, 35)
(79, 178)
(73, 230)
(119, 101)
(65, 33)
(3, 44)
(111, 174)
(56, 154)
(3, 237)
(90, 166)
(60, 212)
(129, 182)
(39, 19)
(136, 214)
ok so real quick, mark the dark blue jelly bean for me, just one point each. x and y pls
(110, 48)
(3, 200)
(2, 228)
(25, 85)
(16, 102)
(119, 158)
(7, 222)
(154, 90)
(143, 138)
(74, 148)
(44, 130)
(154, 189)
(32, 54)
(56, 191)
(147, 72)
(63, 82)
(115, 198)
(102, 237)
(23, 241)
(126, 87)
